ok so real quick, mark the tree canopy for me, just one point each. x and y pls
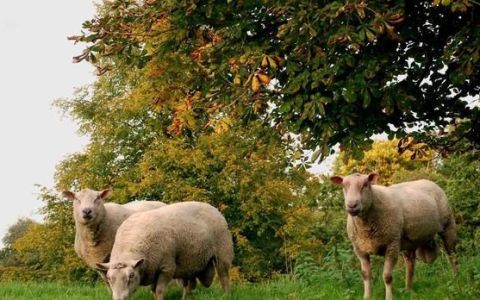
(331, 71)
(245, 171)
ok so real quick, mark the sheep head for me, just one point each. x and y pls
(88, 205)
(357, 190)
(123, 277)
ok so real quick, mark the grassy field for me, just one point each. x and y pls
(431, 282)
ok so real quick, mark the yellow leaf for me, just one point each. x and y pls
(265, 61)
(272, 63)
(255, 84)
(243, 59)
(223, 125)
(258, 106)
(265, 79)
(237, 80)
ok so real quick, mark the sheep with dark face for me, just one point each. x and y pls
(403, 217)
(96, 222)
(182, 240)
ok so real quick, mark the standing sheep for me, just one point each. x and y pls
(183, 240)
(402, 217)
(96, 222)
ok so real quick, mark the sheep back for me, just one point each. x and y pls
(182, 237)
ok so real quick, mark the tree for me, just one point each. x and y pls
(14, 232)
(246, 172)
(383, 158)
(331, 71)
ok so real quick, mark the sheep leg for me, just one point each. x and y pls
(449, 238)
(162, 282)
(192, 284)
(206, 277)
(222, 271)
(391, 257)
(409, 257)
(188, 286)
(366, 274)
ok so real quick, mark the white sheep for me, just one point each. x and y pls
(96, 222)
(403, 217)
(183, 240)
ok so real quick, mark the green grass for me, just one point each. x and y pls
(431, 282)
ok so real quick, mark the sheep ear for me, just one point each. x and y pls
(69, 195)
(105, 194)
(102, 266)
(138, 263)
(336, 179)
(372, 178)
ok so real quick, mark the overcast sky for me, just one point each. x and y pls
(35, 69)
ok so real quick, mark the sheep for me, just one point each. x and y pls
(402, 217)
(96, 222)
(182, 240)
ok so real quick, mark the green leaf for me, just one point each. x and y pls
(315, 155)
(366, 98)
(361, 35)
(321, 109)
(349, 95)
(285, 107)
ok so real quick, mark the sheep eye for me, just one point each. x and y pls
(130, 276)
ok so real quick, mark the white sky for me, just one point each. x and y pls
(36, 68)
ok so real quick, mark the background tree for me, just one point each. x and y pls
(332, 71)
(383, 158)
(44, 251)
(244, 171)
(14, 232)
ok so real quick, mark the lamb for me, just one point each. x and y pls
(183, 240)
(402, 217)
(96, 222)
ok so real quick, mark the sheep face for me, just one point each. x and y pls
(88, 205)
(357, 191)
(123, 278)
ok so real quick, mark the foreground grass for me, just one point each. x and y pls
(431, 282)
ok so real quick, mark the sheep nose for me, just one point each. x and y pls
(353, 205)
(353, 208)
(87, 212)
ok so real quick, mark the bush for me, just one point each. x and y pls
(460, 177)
